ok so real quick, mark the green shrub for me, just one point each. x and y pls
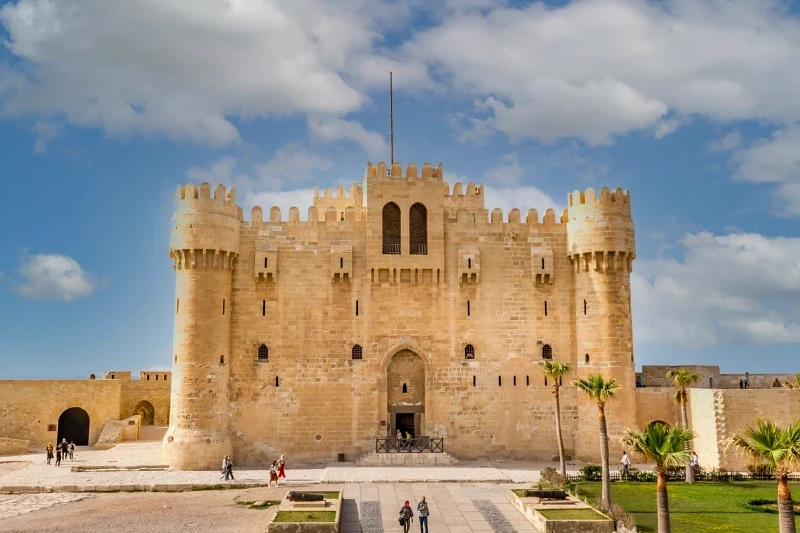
(592, 473)
(620, 515)
(643, 476)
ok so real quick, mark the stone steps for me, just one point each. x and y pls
(407, 459)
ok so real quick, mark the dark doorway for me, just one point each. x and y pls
(73, 425)
(405, 423)
(147, 411)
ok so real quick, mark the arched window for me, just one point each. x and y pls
(418, 229)
(357, 352)
(469, 352)
(587, 358)
(405, 388)
(547, 352)
(391, 229)
(221, 361)
(263, 353)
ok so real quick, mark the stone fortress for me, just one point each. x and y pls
(405, 304)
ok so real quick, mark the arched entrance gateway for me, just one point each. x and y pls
(73, 425)
(405, 393)
(147, 411)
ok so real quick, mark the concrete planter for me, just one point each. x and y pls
(309, 527)
(531, 507)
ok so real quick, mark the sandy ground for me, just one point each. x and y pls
(7, 468)
(200, 511)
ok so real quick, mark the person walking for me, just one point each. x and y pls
(422, 513)
(626, 464)
(58, 455)
(229, 468)
(694, 462)
(49, 451)
(406, 514)
(281, 468)
(71, 450)
(273, 473)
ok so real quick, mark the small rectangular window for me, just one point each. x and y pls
(277, 381)
(545, 308)
(499, 381)
(177, 305)
(156, 377)
(542, 263)
(515, 381)
(263, 308)
(148, 378)
(223, 306)
(265, 262)
(356, 307)
(545, 381)
(467, 307)
(341, 262)
(584, 307)
(527, 381)
(474, 381)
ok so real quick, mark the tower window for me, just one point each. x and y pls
(265, 262)
(357, 352)
(341, 262)
(547, 352)
(176, 358)
(469, 352)
(542, 263)
(515, 381)
(221, 361)
(545, 381)
(499, 381)
(405, 388)
(467, 307)
(391, 229)
(277, 381)
(474, 381)
(527, 381)
(148, 377)
(469, 262)
(263, 353)
(545, 308)
(177, 305)
(586, 358)
(584, 307)
(263, 308)
(165, 376)
(223, 306)
(356, 307)
(418, 229)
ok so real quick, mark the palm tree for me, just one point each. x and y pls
(779, 448)
(601, 391)
(682, 378)
(666, 447)
(556, 371)
(795, 384)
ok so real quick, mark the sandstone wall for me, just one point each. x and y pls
(703, 415)
(757, 381)
(656, 375)
(656, 403)
(154, 391)
(28, 407)
(14, 446)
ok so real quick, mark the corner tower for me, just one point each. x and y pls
(602, 246)
(204, 244)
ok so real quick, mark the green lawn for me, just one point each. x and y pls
(702, 507)
(571, 514)
(305, 516)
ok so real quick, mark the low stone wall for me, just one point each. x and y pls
(529, 508)
(408, 459)
(14, 446)
(309, 527)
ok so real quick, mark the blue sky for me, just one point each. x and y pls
(104, 109)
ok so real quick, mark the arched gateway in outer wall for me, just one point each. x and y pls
(405, 393)
(73, 425)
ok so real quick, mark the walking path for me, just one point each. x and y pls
(30, 473)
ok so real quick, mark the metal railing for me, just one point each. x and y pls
(391, 249)
(413, 445)
(419, 249)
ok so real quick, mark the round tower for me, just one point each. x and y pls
(204, 244)
(602, 246)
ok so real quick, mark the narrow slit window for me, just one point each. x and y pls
(586, 359)
(527, 381)
(177, 306)
(148, 378)
(584, 307)
(545, 308)
(468, 310)
(265, 262)
(499, 381)
(405, 388)
(341, 262)
(542, 263)
(469, 263)
(223, 306)
(277, 381)
(545, 381)
(263, 308)
(515, 381)
(221, 361)
(165, 376)
(474, 381)
(356, 307)
(176, 358)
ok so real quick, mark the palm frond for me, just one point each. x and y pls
(768, 443)
(665, 446)
(597, 388)
(555, 370)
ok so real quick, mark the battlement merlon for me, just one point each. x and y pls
(382, 172)
(600, 230)
(205, 231)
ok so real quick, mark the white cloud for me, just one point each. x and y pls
(302, 199)
(728, 288)
(45, 132)
(290, 164)
(54, 277)
(774, 160)
(729, 142)
(509, 172)
(334, 129)
(594, 69)
(183, 69)
(522, 197)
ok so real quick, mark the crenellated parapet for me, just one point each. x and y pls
(600, 231)
(496, 218)
(472, 200)
(395, 171)
(205, 228)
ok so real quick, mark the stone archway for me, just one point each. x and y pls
(73, 425)
(147, 411)
(405, 393)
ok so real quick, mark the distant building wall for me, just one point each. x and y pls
(656, 403)
(14, 446)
